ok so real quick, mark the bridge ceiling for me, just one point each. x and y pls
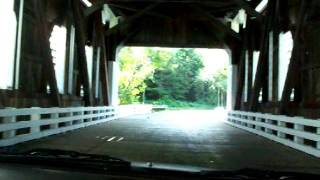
(178, 23)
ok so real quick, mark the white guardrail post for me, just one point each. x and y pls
(54, 116)
(318, 143)
(296, 132)
(9, 119)
(35, 117)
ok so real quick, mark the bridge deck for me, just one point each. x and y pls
(194, 137)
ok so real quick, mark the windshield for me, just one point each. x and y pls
(210, 85)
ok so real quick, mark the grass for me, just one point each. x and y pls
(176, 104)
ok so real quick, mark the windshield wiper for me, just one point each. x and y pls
(66, 158)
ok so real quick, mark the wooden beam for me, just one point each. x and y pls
(250, 61)
(99, 30)
(130, 19)
(217, 22)
(95, 7)
(252, 12)
(80, 39)
(241, 76)
(261, 72)
(48, 66)
(293, 70)
(136, 10)
(275, 55)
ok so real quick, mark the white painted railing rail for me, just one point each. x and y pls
(296, 132)
(19, 125)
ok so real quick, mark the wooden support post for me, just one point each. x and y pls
(95, 64)
(275, 63)
(275, 52)
(293, 70)
(48, 65)
(70, 56)
(82, 60)
(241, 75)
(250, 67)
(261, 73)
(103, 60)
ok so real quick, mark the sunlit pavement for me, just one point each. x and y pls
(186, 137)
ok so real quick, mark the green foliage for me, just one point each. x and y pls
(170, 78)
(177, 77)
(220, 80)
(176, 104)
(159, 59)
(134, 71)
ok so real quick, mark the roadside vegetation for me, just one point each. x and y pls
(171, 78)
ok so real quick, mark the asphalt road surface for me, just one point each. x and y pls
(185, 137)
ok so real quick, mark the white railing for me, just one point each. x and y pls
(20, 125)
(296, 132)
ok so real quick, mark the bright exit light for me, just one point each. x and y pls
(191, 121)
(262, 6)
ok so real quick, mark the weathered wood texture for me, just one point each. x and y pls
(172, 23)
(293, 74)
(82, 60)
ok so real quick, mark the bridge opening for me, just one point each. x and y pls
(174, 77)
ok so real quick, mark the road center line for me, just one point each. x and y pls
(110, 139)
(104, 137)
(120, 139)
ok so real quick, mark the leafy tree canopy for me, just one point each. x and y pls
(167, 76)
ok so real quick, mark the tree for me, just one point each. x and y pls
(176, 77)
(167, 77)
(220, 85)
(159, 58)
(134, 70)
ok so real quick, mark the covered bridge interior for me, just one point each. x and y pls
(107, 25)
(273, 85)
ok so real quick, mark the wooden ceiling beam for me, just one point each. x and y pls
(130, 19)
(252, 12)
(95, 7)
(136, 10)
(216, 22)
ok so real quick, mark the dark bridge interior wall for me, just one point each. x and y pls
(301, 93)
(171, 23)
(37, 79)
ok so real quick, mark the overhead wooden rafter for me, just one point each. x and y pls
(136, 10)
(216, 22)
(252, 12)
(130, 19)
(94, 8)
